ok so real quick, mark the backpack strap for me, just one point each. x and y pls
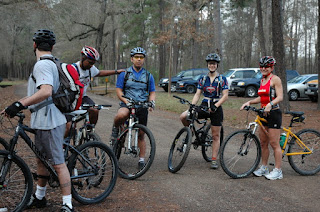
(126, 77)
(50, 100)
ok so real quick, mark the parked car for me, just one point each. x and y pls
(296, 86)
(186, 74)
(239, 73)
(188, 85)
(246, 87)
(312, 90)
(249, 87)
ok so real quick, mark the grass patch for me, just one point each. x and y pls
(10, 83)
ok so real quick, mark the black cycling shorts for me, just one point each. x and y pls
(141, 113)
(274, 119)
(216, 118)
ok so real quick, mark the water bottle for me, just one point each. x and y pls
(282, 139)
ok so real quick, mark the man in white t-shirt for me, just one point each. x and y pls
(87, 70)
(48, 122)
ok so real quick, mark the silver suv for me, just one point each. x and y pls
(239, 73)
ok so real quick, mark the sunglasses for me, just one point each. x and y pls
(138, 57)
(267, 66)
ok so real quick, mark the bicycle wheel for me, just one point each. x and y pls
(93, 172)
(240, 154)
(207, 146)
(128, 160)
(305, 164)
(90, 136)
(16, 182)
(3, 144)
(179, 150)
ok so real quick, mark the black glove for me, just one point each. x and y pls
(213, 108)
(13, 109)
(153, 104)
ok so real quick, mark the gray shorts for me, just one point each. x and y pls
(50, 144)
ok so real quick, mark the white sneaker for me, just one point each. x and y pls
(262, 171)
(275, 174)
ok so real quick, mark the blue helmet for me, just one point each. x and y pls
(138, 50)
(213, 57)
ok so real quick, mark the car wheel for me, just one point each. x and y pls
(313, 98)
(191, 89)
(165, 89)
(293, 95)
(251, 91)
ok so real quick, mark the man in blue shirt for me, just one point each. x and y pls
(138, 84)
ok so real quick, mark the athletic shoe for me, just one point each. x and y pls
(214, 164)
(141, 164)
(275, 174)
(65, 208)
(262, 171)
(36, 203)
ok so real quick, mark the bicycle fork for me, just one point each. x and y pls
(245, 146)
(132, 149)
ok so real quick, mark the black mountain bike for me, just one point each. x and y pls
(92, 166)
(127, 147)
(182, 142)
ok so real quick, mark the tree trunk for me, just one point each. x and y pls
(162, 52)
(218, 33)
(278, 49)
(262, 39)
(318, 47)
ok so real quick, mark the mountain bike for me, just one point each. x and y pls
(92, 166)
(182, 142)
(86, 131)
(241, 151)
(127, 147)
(3, 144)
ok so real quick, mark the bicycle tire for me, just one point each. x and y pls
(91, 136)
(3, 144)
(235, 158)
(206, 148)
(128, 160)
(16, 190)
(179, 150)
(92, 189)
(306, 164)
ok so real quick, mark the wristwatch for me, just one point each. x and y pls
(116, 71)
(271, 103)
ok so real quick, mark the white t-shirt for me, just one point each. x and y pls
(49, 117)
(84, 76)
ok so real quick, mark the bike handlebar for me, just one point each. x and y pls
(134, 103)
(254, 109)
(99, 107)
(184, 101)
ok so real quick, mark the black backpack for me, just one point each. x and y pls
(69, 94)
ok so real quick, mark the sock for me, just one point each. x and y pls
(141, 159)
(66, 200)
(213, 158)
(40, 192)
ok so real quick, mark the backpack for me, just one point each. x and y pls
(126, 77)
(69, 94)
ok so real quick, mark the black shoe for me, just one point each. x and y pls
(141, 164)
(65, 208)
(36, 203)
(114, 135)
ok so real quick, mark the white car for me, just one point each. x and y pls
(296, 86)
(239, 73)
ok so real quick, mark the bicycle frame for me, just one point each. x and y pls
(21, 131)
(289, 134)
(131, 122)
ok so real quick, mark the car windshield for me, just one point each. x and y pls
(180, 73)
(228, 73)
(197, 77)
(298, 79)
(258, 75)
